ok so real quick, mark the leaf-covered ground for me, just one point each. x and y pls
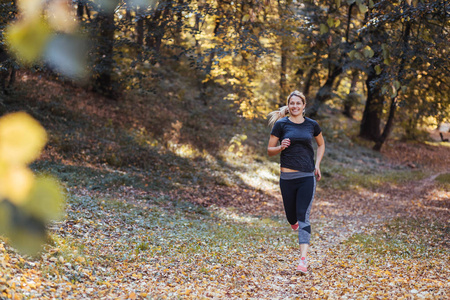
(146, 220)
(384, 242)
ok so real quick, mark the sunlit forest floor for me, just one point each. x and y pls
(155, 212)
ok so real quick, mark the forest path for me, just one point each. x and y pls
(346, 213)
(391, 241)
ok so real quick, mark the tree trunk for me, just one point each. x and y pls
(349, 19)
(162, 26)
(324, 93)
(221, 13)
(104, 65)
(208, 68)
(4, 71)
(349, 101)
(179, 23)
(197, 29)
(151, 27)
(128, 15)
(81, 8)
(370, 123)
(388, 127)
(140, 27)
(308, 81)
(156, 26)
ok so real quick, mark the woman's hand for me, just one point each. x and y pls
(273, 149)
(285, 143)
(317, 173)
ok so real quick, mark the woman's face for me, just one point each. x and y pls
(296, 106)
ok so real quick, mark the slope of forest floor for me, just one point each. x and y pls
(153, 220)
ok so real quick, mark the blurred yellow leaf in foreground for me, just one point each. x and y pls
(27, 204)
(15, 183)
(21, 139)
(30, 8)
(61, 17)
(28, 37)
(45, 200)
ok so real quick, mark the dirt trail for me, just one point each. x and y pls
(266, 271)
(342, 214)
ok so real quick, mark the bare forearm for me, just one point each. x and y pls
(320, 153)
(271, 151)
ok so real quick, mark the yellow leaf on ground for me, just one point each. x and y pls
(81, 259)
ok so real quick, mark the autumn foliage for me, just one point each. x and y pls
(133, 149)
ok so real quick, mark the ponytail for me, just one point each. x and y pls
(277, 114)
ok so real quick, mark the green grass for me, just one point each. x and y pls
(402, 239)
(444, 179)
(346, 178)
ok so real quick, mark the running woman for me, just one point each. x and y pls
(292, 137)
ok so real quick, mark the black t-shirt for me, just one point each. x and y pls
(300, 153)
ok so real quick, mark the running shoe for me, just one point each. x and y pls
(295, 226)
(302, 266)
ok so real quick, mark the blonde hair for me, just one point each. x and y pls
(283, 111)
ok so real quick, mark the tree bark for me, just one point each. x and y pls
(140, 27)
(81, 9)
(325, 91)
(349, 19)
(197, 28)
(156, 25)
(388, 127)
(370, 123)
(308, 81)
(179, 23)
(209, 63)
(104, 65)
(348, 102)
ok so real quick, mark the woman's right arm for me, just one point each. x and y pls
(273, 149)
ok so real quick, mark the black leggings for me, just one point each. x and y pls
(298, 196)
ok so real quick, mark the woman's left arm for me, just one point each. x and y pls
(320, 151)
